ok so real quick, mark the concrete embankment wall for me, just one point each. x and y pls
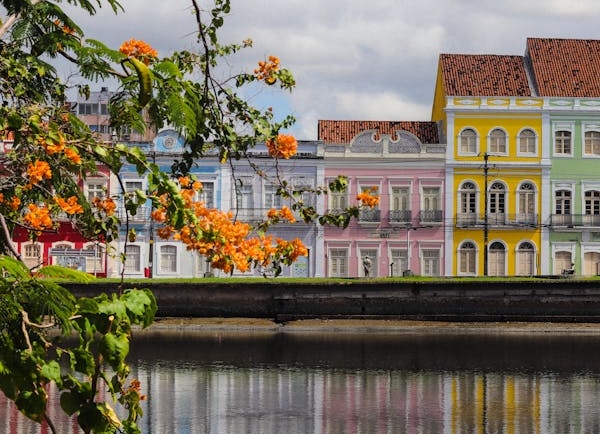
(565, 300)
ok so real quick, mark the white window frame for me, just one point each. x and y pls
(526, 153)
(468, 151)
(95, 264)
(373, 253)
(520, 258)
(399, 260)
(129, 268)
(495, 141)
(100, 187)
(472, 260)
(558, 130)
(207, 195)
(596, 133)
(344, 258)
(425, 267)
(160, 259)
(32, 261)
(527, 195)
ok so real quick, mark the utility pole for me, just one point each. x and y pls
(485, 214)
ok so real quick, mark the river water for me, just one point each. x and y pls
(297, 383)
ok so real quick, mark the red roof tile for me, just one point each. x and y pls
(342, 132)
(565, 67)
(484, 75)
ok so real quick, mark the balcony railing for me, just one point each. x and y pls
(575, 220)
(369, 215)
(400, 216)
(142, 213)
(467, 220)
(431, 216)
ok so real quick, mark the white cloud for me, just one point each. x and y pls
(355, 59)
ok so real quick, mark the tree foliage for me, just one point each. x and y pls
(53, 151)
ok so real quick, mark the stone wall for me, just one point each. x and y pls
(540, 300)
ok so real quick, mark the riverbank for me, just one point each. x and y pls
(356, 326)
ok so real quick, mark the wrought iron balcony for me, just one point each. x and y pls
(575, 220)
(369, 215)
(520, 220)
(400, 216)
(431, 216)
(142, 214)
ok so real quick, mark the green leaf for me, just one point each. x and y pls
(51, 371)
(14, 267)
(69, 403)
(59, 272)
(115, 349)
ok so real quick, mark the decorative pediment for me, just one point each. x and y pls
(405, 143)
(366, 142)
(168, 141)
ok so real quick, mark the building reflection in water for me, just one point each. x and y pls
(201, 392)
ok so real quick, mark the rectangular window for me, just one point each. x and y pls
(272, 199)
(207, 195)
(167, 260)
(431, 262)
(592, 142)
(337, 201)
(133, 258)
(562, 143)
(32, 255)
(399, 261)
(96, 188)
(431, 205)
(95, 264)
(368, 263)
(244, 195)
(338, 263)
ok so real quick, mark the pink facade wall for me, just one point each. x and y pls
(416, 240)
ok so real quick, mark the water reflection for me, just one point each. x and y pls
(292, 383)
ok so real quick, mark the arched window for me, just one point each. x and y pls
(467, 258)
(497, 203)
(468, 141)
(526, 203)
(527, 141)
(526, 259)
(497, 259)
(497, 141)
(468, 203)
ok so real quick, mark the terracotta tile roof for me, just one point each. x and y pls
(565, 67)
(342, 132)
(484, 75)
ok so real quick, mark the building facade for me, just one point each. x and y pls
(402, 163)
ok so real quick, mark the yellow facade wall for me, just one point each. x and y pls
(511, 123)
(512, 170)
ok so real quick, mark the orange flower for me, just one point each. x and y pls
(73, 155)
(284, 146)
(266, 70)
(37, 217)
(159, 215)
(139, 49)
(38, 171)
(70, 206)
(51, 147)
(107, 205)
(367, 199)
(64, 27)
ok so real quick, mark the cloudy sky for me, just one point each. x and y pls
(367, 60)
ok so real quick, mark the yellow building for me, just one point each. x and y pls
(496, 165)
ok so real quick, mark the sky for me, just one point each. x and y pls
(353, 60)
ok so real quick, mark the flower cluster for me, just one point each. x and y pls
(227, 243)
(138, 49)
(37, 217)
(283, 214)
(13, 203)
(368, 199)
(284, 146)
(105, 204)
(37, 172)
(266, 70)
(66, 29)
(70, 205)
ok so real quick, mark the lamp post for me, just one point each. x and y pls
(485, 214)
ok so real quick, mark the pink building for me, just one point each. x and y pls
(403, 163)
